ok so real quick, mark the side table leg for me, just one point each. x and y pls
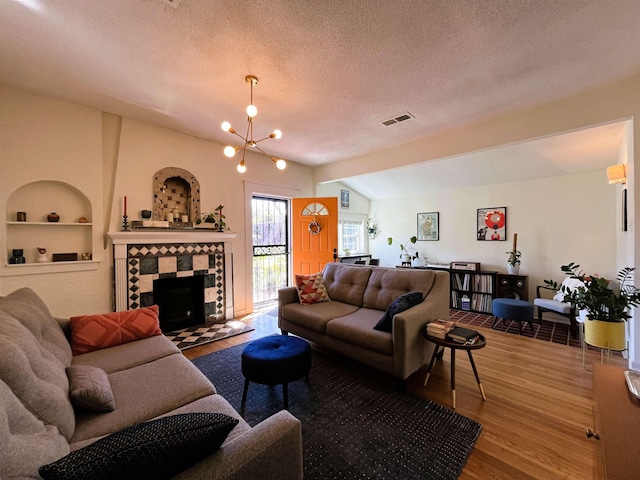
(433, 358)
(475, 372)
(453, 377)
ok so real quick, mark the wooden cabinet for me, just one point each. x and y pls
(616, 425)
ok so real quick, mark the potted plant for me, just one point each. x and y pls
(605, 309)
(513, 262)
(372, 228)
(407, 252)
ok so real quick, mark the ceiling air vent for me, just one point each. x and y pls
(173, 3)
(397, 119)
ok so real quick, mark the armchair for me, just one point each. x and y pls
(554, 304)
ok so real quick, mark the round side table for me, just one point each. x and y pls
(453, 346)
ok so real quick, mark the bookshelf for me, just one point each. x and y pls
(478, 286)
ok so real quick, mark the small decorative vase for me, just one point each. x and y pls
(83, 219)
(53, 217)
(513, 269)
(406, 258)
(608, 335)
(146, 214)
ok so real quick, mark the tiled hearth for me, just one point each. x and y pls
(140, 257)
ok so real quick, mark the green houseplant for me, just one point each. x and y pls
(601, 304)
(513, 262)
(407, 252)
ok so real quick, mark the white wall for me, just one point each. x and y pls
(558, 220)
(46, 139)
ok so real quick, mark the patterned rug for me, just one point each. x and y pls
(194, 336)
(554, 332)
(356, 423)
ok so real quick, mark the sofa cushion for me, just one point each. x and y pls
(346, 283)
(215, 404)
(158, 449)
(128, 355)
(357, 329)
(315, 317)
(144, 392)
(400, 304)
(35, 375)
(387, 284)
(25, 442)
(94, 332)
(28, 308)
(569, 283)
(90, 389)
(311, 289)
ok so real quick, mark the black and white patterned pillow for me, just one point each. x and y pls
(158, 449)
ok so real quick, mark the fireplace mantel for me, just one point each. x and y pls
(166, 243)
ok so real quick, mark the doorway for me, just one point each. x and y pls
(270, 232)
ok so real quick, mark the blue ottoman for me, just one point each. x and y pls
(512, 309)
(275, 360)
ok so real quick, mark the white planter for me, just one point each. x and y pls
(513, 269)
(406, 258)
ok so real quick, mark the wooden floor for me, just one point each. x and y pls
(537, 409)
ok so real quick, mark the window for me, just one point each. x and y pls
(351, 235)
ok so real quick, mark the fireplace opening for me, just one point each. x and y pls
(181, 302)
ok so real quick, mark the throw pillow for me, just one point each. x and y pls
(400, 304)
(94, 332)
(158, 449)
(311, 289)
(89, 388)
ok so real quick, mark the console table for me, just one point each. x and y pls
(616, 415)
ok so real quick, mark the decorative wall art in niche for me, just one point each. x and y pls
(429, 226)
(492, 224)
(344, 198)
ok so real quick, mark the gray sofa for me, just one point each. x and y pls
(149, 379)
(359, 297)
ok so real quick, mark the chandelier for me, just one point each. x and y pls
(248, 140)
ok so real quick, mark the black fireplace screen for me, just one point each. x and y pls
(181, 302)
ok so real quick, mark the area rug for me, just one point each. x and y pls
(355, 421)
(554, 332)
(194, 336)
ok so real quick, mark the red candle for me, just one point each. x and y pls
(125, 204)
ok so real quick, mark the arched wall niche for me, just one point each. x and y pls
(40, 198)
(175, 188)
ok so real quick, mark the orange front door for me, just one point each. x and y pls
(314, 233)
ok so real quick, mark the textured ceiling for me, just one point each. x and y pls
(330, 70)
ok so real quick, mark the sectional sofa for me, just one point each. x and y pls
(147, 379)
(359, 297)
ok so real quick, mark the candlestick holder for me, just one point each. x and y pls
(125, 224)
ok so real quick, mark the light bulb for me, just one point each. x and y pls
(277, 134)
(252, 111)
(241, 168)
(225, 126)
(229, 151)
(281, 164)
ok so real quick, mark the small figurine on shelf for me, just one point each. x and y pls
(43, 257)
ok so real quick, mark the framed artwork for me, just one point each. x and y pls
(344, 198)
(492, 224)
(428, 226)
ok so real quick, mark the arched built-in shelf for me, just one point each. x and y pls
(37, 200)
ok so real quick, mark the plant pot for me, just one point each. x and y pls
(513, 269)
(609, 335)
(406, 258)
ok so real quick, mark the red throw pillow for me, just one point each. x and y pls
(311, 289)
(93, 332)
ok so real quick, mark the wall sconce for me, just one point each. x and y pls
(617, 174)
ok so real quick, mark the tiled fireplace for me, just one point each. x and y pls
(142, 256)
